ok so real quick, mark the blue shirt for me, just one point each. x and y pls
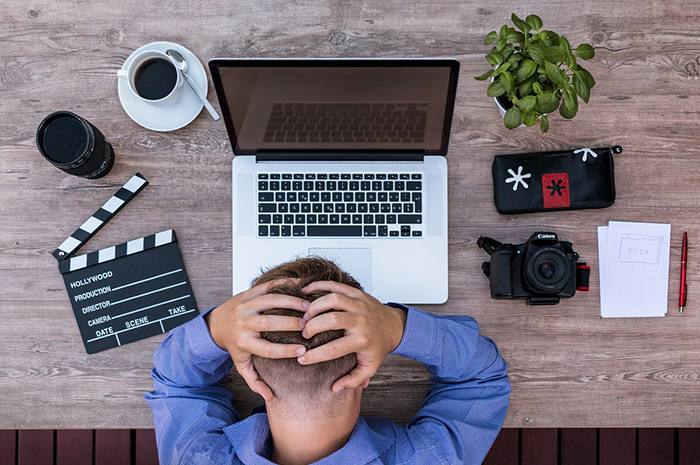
(462, 413)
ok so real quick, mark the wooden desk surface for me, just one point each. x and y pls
(568, 367)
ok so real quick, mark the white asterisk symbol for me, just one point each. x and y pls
(518, 178)
(586, 152)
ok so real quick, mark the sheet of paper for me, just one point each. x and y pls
(636, 270)
(603, 265)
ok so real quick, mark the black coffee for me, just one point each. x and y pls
(155, 78)
(65, 139)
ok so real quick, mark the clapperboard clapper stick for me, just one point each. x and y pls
(128, 291)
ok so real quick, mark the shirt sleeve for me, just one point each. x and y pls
(190, 404)
(464, 409)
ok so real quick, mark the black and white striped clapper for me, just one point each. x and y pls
(130, 291)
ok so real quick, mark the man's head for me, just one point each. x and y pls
(297, 386)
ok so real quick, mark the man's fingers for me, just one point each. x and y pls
(252, 379)
(327, 322)
(275, 323)
(328, 351)
(270, 301)
(330, 302)
(357, 377)
(267, 349)
(264, 288)
(332, 286)
(264, 390)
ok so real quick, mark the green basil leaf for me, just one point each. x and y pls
(530, 119)
(484, 76)
(544, 123)
(516, 37)
(513, 118)
(553, 54)
(527, 68)
(581, 86)
(586, 76)
(494, 58)
(570, 98)
(547, 102)
(566, 46)
(537, 87)
(500, 44)
(495, 89)
(503, 33)
(569, 113)
(553, 37)
(525, 87)
(515, 58)
(555, 73)
(534, 21)
(490, 37)
(535, 51)
(585, 51)
(527, 104)
(507, 80)
(522, 25)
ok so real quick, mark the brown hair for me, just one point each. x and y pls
(292, 383)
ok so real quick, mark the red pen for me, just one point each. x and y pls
(684, 257)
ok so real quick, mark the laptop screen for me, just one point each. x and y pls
(355, 105)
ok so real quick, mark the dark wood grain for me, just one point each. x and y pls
(146, 452)
(539, 446)
(74, 447)
(568, 367)
(688, 446)
(35, 447)
(617, 446)
(655, 446)
(8, 446)
(112, 447)
(579, 446)
(506, 448)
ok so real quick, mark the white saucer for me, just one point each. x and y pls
(180, 113)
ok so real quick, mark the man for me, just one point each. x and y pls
(308, 339)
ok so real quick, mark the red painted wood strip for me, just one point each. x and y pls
(35, 447)
(505, 449)
(688, 446)
(74, 447)
(539, 446)
(656, 446)
(617, 446)
(112, 447)
(8, 446)
(579, 446)
(146, 450)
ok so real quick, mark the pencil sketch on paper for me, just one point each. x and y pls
(640, 248)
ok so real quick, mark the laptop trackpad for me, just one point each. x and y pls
(356, 262)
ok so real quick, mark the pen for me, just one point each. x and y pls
(684, 257)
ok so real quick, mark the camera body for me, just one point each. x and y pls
(542, 270)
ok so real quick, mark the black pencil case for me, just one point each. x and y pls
(550, 181)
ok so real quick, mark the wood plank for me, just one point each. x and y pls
(146, 450)
(617, 446)
(74, 447)
(688, 446)
(35, 447)
(112, 447)
(539, 446)
(505, 449)
(656, 446)
(8, 446)
(579, 446)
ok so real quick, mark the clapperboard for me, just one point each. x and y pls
(129, 291)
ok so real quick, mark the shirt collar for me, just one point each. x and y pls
(252, 442)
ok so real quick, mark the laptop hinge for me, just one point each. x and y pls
(336, 156)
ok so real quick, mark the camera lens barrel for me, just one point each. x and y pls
(548, 270)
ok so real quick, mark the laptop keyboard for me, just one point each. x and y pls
(340, 204)
(347, 122)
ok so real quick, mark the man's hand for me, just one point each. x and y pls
(235, 326)
(372, 330)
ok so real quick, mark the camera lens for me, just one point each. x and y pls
(548, 270)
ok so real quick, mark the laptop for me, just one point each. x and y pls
(342, 159)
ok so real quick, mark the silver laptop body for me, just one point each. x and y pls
(343, 159)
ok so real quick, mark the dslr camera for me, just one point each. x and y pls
(542, 270)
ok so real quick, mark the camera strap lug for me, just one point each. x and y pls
(488, 244)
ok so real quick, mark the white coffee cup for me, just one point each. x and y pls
(129, 73)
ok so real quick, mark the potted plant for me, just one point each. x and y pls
(535, 72)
